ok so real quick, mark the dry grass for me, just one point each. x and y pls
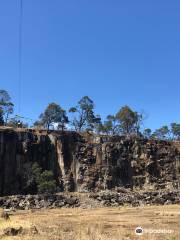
(96, 224)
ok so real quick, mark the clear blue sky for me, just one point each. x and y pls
(117, 52)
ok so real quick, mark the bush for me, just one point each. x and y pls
(46, 183)
(36, 172)
(30, 175)
(35, 180)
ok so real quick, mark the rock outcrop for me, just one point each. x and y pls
(26, 202)
(86, 163)
(108, 198)
(118, 198)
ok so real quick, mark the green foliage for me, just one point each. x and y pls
(53, 114)
(162, 133)
(175, 129)
(97, 124)
(147, 133)
(44, 180)
(166, 133)
(46, 183)
(6, 105)
(38, 124)
(1, 117)
(84, 115)
(125, 122)
(31, 174)
(36, 180)
(36, 172)
(110, 126)
(129, 120)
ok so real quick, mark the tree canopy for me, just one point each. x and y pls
(85, 118)
(82, 117)
(6, 106)
(128, 119)
(53, 114)
(175, 128)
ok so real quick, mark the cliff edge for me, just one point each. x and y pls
(87, 162)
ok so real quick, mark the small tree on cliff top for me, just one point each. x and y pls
(6, 105)
(175, 130)
(147, 133)
(129, 120)
(54, 114)
(162, 133)
(110, 126)
(84, 118)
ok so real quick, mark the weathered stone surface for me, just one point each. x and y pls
(26, 202)
(86, 162)
(110, 198)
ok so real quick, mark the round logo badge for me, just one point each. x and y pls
(139, 231)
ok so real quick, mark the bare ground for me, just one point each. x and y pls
(96, 223)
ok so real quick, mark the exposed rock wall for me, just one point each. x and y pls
(87, 163)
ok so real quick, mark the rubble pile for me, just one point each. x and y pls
(100, 199)
(113, 199)
(25, 202)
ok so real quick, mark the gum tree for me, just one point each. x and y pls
(53, 114)
(6, 105)
(84, 115)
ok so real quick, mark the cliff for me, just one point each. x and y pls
(87, 162)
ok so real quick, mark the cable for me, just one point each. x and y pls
(20, 56)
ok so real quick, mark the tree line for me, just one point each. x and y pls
(82, 117)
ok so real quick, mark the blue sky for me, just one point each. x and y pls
(117, 52)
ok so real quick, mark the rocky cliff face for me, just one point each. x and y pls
(87, 163)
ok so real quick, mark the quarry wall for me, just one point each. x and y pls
(87, 162)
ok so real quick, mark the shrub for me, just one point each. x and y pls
(36, 180)
(36, 172)
(46, 183)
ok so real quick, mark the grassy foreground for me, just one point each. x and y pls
(96, 224)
